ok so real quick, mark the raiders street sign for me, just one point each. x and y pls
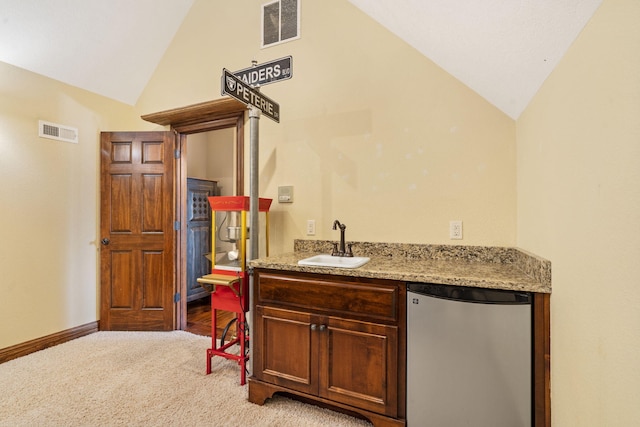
(233, 86)
(269, 72)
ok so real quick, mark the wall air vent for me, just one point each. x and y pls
(280, 22)
(57, 132)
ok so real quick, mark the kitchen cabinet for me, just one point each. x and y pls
(338, 341)
(481, 267)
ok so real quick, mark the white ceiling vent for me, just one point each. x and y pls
(58, 132)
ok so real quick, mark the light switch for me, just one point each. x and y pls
(285, 194)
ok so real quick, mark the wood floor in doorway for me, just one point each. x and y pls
(199, 319)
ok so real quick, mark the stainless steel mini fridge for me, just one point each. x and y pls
(468, 357)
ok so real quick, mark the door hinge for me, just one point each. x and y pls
(176, 154)
(176, 225)
(176, 297)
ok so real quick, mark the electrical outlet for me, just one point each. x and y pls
(311, 227)
(455, 230)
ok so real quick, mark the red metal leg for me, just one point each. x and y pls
(213, 336)
(221, 350)
(209, 356)
(227, 300)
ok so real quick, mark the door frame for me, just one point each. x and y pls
(204, 117)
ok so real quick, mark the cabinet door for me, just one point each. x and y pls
(358, 364)
(283, 351)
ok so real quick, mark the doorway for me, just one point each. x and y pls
(210, 172)
(188, 122)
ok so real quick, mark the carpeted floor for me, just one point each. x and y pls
(140, 378)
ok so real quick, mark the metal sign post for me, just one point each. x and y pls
(240, 87)
(254, 194)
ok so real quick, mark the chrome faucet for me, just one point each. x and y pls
(342, 251)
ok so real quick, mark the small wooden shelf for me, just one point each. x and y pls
(210, 281)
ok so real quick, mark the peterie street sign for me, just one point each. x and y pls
(236, 88)
(269, 72)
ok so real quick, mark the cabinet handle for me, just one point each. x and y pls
(313, 326)
(323, 327)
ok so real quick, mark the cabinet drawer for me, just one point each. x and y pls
(371, 299)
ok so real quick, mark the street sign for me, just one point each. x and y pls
(233, 86)
(269, 72)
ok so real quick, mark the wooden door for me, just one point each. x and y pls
(198, 234)
(136, 231)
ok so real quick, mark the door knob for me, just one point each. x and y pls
(105, 241)
(323, 327)
(313, 326)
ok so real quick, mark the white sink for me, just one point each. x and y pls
(334, 261)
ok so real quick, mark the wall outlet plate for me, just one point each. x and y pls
(455, 230)
(311, 227)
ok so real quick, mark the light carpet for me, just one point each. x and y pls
(141, 378)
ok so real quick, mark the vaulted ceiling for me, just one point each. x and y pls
(502, 49)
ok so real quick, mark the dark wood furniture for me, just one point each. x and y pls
(198, 234)
(333, 340)
(542, 360)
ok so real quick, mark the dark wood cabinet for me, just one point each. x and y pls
(336, 340)
(198, 234)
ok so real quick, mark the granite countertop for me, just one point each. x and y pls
(473, 266)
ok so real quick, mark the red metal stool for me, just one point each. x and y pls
(229, 292)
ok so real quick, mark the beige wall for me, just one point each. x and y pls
(579, 206)
(372, 132)
(49, 198)
(210, 155)
(198, 156)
